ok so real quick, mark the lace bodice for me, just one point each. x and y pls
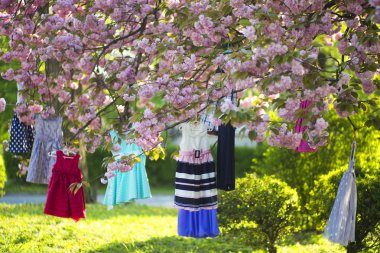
(194, 137)
(48, 128)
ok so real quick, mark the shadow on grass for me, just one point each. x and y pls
(175, 244)
(100, 212)
(16, 187)
(94, 211)
(301, 238)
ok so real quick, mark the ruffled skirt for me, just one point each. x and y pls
(127, 186)
(198, 224)
(41, 164)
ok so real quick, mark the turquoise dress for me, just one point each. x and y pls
(130, 185)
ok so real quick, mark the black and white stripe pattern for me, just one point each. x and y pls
(195, 186)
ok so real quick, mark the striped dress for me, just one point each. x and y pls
(195, 184)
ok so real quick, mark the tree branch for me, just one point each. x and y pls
(89, 122)
(352, 124)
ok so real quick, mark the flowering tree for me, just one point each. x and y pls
(152, 64)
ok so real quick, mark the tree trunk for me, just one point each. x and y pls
(272, 248)
(52, 68)
(354, 247)
(90, 198)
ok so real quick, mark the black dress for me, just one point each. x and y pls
(225, 177)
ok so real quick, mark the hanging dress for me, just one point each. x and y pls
(48, 138)
(340, 227)
(21, 137)
(225, 176)
(304, 146)
(130, 185)
(60, 201)
(195, 184)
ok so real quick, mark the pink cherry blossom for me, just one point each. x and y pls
(141, 59)
(3, 104)
(35, 108)
(120, 108)
(297, 68)
(249, 32)
(227, 105)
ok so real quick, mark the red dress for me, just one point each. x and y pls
(60, 202)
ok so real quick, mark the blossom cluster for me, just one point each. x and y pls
(153, 65)
(116, 166)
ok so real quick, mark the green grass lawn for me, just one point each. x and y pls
(127, 228)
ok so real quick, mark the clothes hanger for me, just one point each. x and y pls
(65, 156)
(196, 122)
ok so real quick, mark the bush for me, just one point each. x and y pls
(259, 212)
(3, 175)
(302, 170)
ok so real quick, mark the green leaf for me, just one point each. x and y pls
(244, 22)
(350, 49)
(322, 60)
(309, 79)
(275, 130)
(368, 123)
(372, 67)
(86, 184)
(376, 123)
(372, 102)
(252, 135)
(72, 187)
(78, 186)
(363, 106)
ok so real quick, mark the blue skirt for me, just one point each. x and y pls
(198, 224)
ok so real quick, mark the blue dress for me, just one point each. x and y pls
(22, 137)
(130, 185)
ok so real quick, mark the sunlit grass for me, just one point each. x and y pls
(13, 187)
(128, 228)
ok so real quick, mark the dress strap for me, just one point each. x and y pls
(352, 156)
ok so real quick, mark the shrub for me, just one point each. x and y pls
(302, 170)
(3, 175)
(260, 211)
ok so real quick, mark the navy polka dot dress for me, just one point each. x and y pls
(21, 137)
